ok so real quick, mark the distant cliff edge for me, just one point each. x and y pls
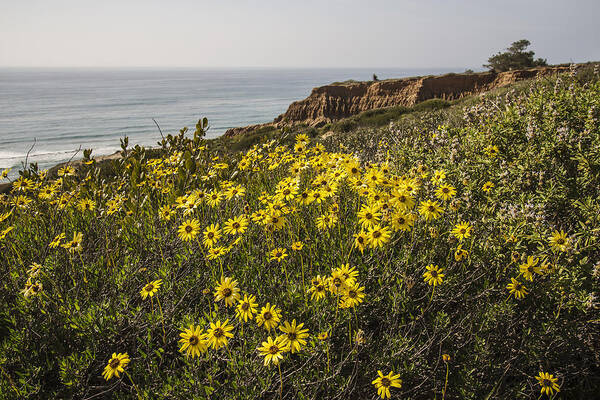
(341, 100)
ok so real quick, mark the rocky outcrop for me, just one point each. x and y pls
(333, 102)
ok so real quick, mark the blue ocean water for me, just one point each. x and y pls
(64, 109)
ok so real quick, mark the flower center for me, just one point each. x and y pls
(385, 382)
(218, 332)
(267, 316)
(188, 229)
(376, 234)
(274, 349)
(114, 363)
(193, 340)
(227, 292)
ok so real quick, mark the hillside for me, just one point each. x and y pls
(341, 100)
(445, 250)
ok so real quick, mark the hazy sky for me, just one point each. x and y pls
(299, 33)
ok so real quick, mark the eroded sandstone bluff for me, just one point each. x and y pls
(336, 101)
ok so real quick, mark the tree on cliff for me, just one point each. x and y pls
(515, 57)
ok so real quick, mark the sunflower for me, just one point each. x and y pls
(269, 317)
(327, 221)
(433, 275)
(294, 336)
(227, 290)
(360, 240)
(378, 236)
(189, 230)
(353, 295)
(318, 288)
(56, 241)
(460, 253)
(246, 308)
(445, 192)
(150, 288)
(297, 246)
(349, 273)
(516, 288)
(75, 243)
(430, 210)
(278, 254)
(488, 186)
(115, 365)
(369, 215)
(402, 222)
(529, 268)
(214, 198)
(462, 230)
(548, 383)
(218, 334)
(272, 350)
(236, 225)
(558, 241)
(438, 176)
(86, 205)
(384, 382)
(193, 341)
(211, 235)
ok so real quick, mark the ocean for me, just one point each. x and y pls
(54, 112)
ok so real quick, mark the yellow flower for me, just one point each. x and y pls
(228, 291)
(317, 290)
(272, 350)
(214, 198)
(116, 365)
(297, 246)
(430, 210)
(323, 336)
(558, 241)
(294, 336)
(438, 176)
(548, 383)
(218, 334)
(86, 205)
(193, 341)
(433, 275)
(236, 225)
(460, 253)
(384, 382)
(445, 192)
(462, 230)
(326, 221)
(446, 357)
(529, 268)
(150, 288)
(516, 288)
(5, 232)
(353, 295)
(211, 235)
(369, 215)
(402, 222)
(246, 308)
(401, 199)
(56, 241)
(75, 243)
(378, 236)
(491, 151)
(189, 230)
(269, 317)
(278, 254)
(487, 186)
(360, 240)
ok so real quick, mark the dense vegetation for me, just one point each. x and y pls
(515, 57)
(457, 248)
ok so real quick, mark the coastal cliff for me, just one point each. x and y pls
(341, 100)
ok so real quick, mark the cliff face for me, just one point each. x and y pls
(332, 102)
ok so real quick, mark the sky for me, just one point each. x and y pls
(294, 34)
